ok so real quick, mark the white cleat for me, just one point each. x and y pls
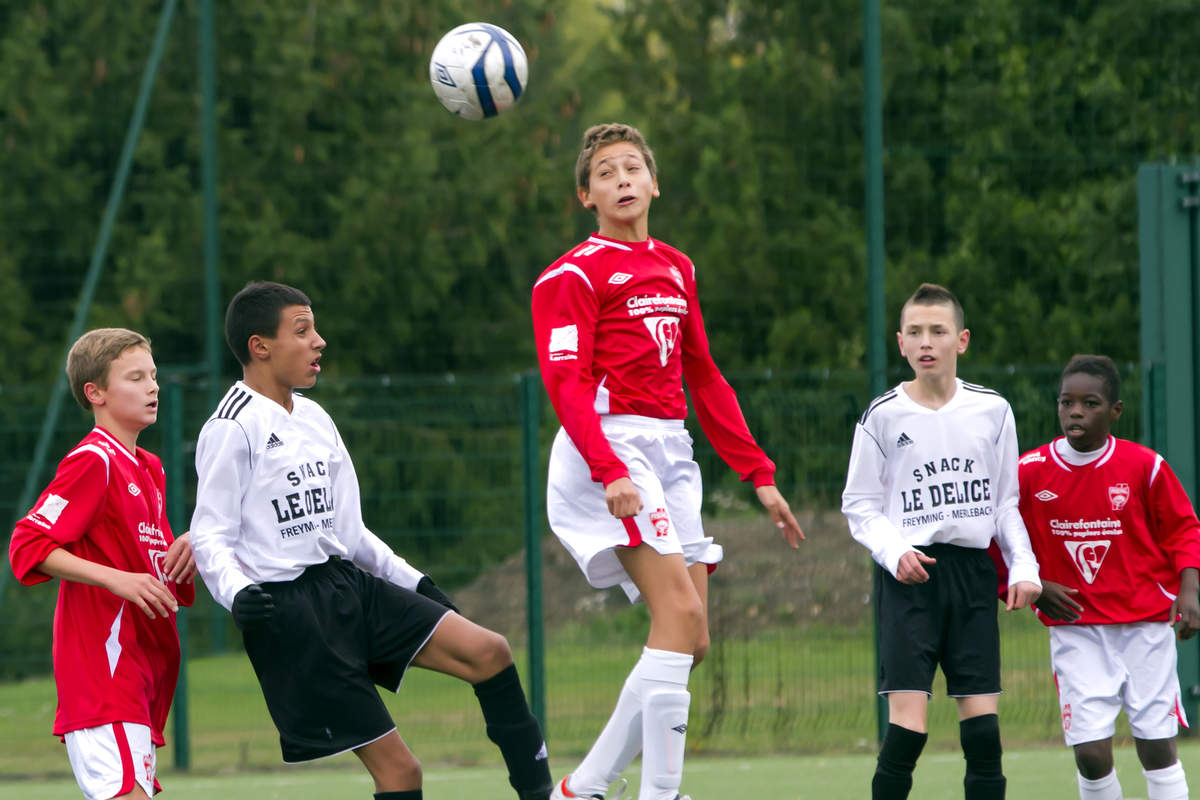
(561, 792)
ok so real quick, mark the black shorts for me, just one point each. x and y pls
(948, 620)
(335, 634)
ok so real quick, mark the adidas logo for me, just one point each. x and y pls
(274, 441)
(680, 729)
(904, 441)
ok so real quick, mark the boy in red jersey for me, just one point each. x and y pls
(1119, 548)
(101, 526)
(618, 330)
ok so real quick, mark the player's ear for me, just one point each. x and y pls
(1115, 411)
(585, 197)
(93, 393)
(258, 348)
(655, 193)
(964, 338)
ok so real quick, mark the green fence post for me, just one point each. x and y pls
(873, 146)
(173, 458)
(1169, 255)
(531, 417)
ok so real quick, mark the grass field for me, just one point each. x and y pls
(1042, 774)
(802, 691)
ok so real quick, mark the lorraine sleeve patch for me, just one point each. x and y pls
(564, 343)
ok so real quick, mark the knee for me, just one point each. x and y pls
(1094, 760)
(493, 654)
(689, 615)
(400, 771)
(1156, 753)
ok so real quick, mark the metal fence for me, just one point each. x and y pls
(440, 463)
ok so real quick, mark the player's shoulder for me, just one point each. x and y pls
(241, 409)
(880, 406)
(676, 256)
(591, 263)
(1035, 458)
(983, 395)
(94, 453)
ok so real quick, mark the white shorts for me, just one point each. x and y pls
(1100, 669)
(108, 759)
(658, 453)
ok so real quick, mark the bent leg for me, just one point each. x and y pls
(465, 650)
(699, 576)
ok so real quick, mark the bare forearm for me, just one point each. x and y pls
(70, 567)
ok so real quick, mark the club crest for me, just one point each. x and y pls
(1118, 495)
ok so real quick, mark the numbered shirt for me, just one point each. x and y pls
(277, 493)
(923, 476)
(111, 662)
(618, 330)
(1118, 529)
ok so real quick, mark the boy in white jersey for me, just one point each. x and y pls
(1119, 547)
(327, 610)
(932, 479)
(618, 330)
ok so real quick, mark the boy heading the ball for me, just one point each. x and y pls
(327, 610)
(618, 330)
(932, 479)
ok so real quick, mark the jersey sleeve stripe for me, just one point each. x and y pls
(554, 273)
(91, 448)
(1158, 460)
(610, 244)
(876, 403)
(234, 395)
(974, 387)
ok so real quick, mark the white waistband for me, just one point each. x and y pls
(638, 421)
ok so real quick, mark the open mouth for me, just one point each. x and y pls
(626, 200)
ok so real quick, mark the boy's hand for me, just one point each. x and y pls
(1185, 610)
(910, 569)
(252, 607)
(143, 590)
(179, 563)
(622, 498)
(781, 513)
(1021, 594)
(1057, 604)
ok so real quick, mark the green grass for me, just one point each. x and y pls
(1041, 774)
(798, 691)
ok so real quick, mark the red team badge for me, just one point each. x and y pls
(661, 520)
(1066, 716)
(148, 763)
(1118, 495)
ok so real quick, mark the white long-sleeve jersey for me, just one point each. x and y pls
(277, 493)
(922, 476)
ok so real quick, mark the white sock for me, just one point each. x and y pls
(1168, 783)
(616, 745)
(1106, 788)
(665, 701)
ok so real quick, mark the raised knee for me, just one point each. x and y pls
(495, 654)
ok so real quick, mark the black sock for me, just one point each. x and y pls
(408, 794)
(980, 737)
(897, 759)
(514, 729)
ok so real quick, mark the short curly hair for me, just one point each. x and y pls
(599, 136)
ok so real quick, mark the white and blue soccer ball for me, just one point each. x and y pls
(478, 70)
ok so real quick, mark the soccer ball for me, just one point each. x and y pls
(478, 70)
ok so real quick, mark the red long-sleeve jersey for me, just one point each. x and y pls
(618, 330)
(1119, 530)
(112, 663)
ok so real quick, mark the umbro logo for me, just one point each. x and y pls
(617, 278)
(904, 440)
(680, 729)
(1045, 495)
(133, 489)
(274, 441)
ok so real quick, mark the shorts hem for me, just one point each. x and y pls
(996, 693)
(416, 653)
(339, 752)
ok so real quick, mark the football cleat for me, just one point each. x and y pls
(561, 792)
